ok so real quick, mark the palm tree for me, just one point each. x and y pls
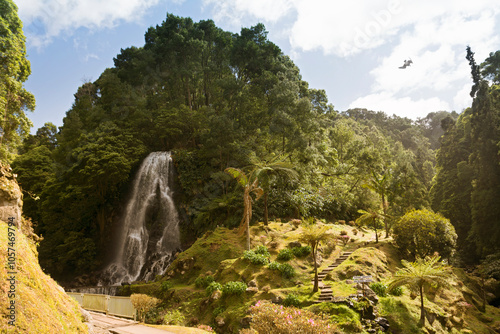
(372, 219)
(266, 171)
(313, 235)
(419, 276)
(250, 185)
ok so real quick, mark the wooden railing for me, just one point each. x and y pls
(112, 305)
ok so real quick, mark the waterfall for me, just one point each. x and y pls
(149, 233)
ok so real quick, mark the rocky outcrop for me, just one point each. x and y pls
(11, 202)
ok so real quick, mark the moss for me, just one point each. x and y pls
(348, 319)
(41, 304)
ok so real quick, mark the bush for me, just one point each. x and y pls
(301, 251)
(212, 287)
(174, 318)
(422, 232)
(397, 291)
(262, 250)
(203, 281)
(343, 232)
(143, 304)
(285, 255)
(291, 300)
(206, 328)
(275, 319)
(234, 288)
(379, 288)
(285, 269)
(256, 258)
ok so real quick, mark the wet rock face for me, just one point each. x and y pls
(11, 203)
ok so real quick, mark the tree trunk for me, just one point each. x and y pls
(376, 234)
(316, 283)
(385, 220)
(265, 209)
(422, 309)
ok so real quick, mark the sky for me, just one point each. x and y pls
(351, 49)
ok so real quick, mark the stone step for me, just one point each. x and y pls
(326, 292)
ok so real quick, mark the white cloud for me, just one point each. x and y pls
(44, 20)
(404, 106)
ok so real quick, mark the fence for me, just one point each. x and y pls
(112, 305)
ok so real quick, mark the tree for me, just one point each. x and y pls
(266, 171)
(250, 185)
(14, 70)
(380, 184)
(420, 233)
(419, 276)
(372, 219)
(313, 235)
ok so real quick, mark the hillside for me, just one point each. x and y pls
(218, 256)
(38, 304)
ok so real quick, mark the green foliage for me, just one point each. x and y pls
(397, 291)
(203, 281)
(285, 255)
(234, 288)
(274, 319)
(255, 258)
(291, 300)
(15, 69)
(262, 250)
(379, 288)
(212, 287)
(420, 233)
(301, 251)
(174, 318)
(286, 270)
(143, 304)
(421, 275)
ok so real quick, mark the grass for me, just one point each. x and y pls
(220, 254)
(180, 329)
(41, 304)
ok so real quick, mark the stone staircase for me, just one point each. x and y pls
(326, 290)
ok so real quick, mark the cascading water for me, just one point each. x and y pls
(150, 226)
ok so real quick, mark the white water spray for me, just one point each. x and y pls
(150, 226)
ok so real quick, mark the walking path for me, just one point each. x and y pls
(326, 290)
(104, 324)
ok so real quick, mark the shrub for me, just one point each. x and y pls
(203, 281)
(285, 269)
(143, 303)
(343, 232)
(165, 286)
(345, 239)
(285, 255)
(379, 288)
(291, 300)
(355, 231)
(422, 232)
(301, 251)
(262, 250)
(255, 258)
(278, 319)
(234, 288)
(212, 287)
(397, 291)
(174, 318)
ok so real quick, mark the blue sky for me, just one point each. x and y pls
(352, 49)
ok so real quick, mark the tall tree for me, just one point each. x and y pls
(266, 171)
(15, 100)
(250, 185)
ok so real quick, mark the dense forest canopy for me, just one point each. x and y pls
(218, 100)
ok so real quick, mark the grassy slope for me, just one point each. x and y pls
(219, 254)
(41, 305)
